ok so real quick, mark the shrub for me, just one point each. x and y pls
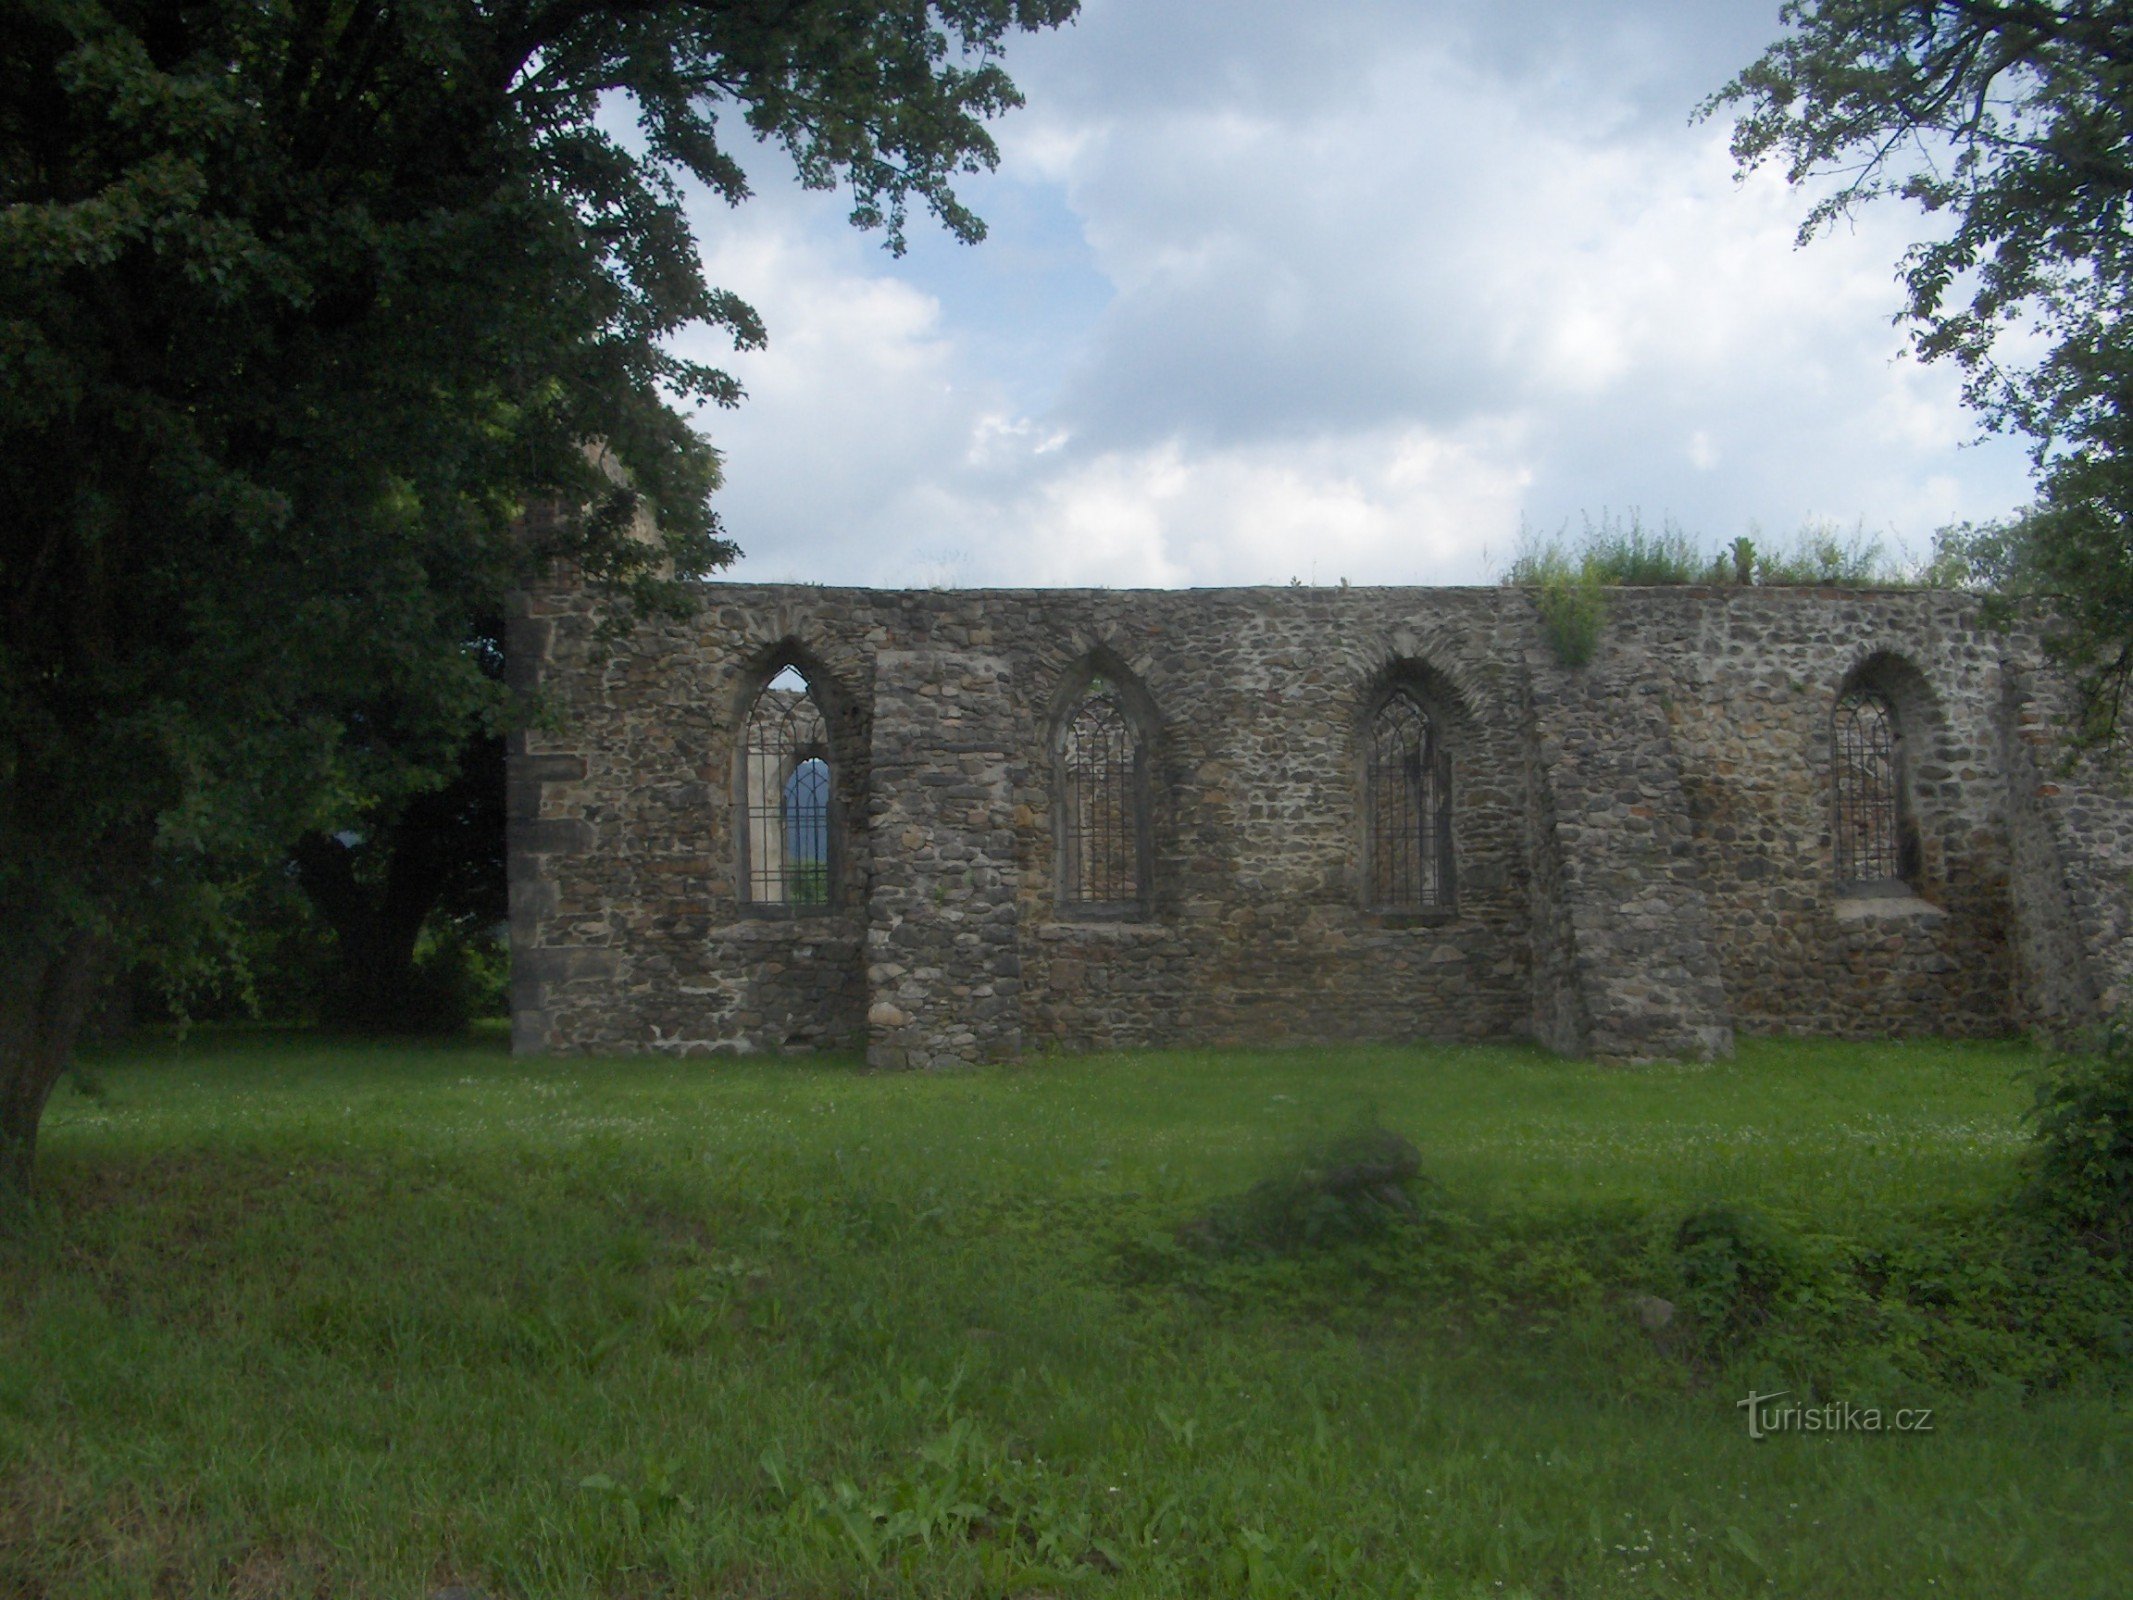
(1734, 1264)
(1572, 611)
(2081, 1160)
(1568, 596)
(807, 883)
(1629, 553)
(1355, 1186)
(1568, 587)
(1611, 551)
(1626, 552)
(457, 974)
(1821, 557)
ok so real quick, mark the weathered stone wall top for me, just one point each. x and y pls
(1639, 854)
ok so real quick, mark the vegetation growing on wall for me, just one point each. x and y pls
(1624, 550)
(1572, 607)
(1568, 572)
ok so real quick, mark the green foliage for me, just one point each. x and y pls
(1822, 557)
(271, 958)
(1623, 551)
(960, 1487)
(282, 963)
(1572, 612)
(483, 957)
(1357, 1185)
(1613, 551)
(1627, 552)
(2064, 567)
(1734, 1264)
(316, 315)
(2009, 124)
(2081, 1161)
(807, 883)
(1572, 607)
(1568, 576)
(458, 974)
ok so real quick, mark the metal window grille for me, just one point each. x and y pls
(788, 789)
(1867, 805)
(1100, 846)
(1408, 792)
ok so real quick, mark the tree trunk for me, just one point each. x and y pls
(44, 996)
(374, 930)
(443, 848)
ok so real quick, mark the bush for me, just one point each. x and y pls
(1734, 1265)
(1821, 557)
(807, 883)
(2081, 1161)
(1630, 553)
(458, 974)
(1572, 607)
(1352, 1187)
(1568, 586)
(1572, 611)
(1625, 552)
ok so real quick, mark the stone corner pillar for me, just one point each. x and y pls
(1626, 968)
(545, 835)
(944, 974)
(2070, 831)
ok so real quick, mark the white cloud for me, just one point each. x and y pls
(1352, 293)
(1387, 507)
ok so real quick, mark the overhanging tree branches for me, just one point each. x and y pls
(305, 303)
(2012, 122)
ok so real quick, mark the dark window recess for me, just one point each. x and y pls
(787, 796)
(1869, 808)
(1407, 809)
(1100, 816)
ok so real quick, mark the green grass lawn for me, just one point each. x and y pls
(300, 1318)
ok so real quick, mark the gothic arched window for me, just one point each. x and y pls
(1103, 805)
(1870, 822)
(1407, 808)
(788, 797)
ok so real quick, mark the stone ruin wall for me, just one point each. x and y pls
(1643, 845)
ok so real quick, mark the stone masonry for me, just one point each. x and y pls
(1642, 847)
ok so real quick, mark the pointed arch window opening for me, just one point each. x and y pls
(1408, 809)
(788, 799)
(1869, 794)
(1103, 812)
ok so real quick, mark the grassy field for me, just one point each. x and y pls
(303, 1319)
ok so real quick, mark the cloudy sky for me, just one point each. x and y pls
(1363, 289)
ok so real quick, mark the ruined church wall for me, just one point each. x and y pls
(1257, 928)
(628, 930)
(1749, 680)
(1644, 847)
(629, 925)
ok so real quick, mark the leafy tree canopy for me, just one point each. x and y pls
(306, 302)
(2011, 122)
